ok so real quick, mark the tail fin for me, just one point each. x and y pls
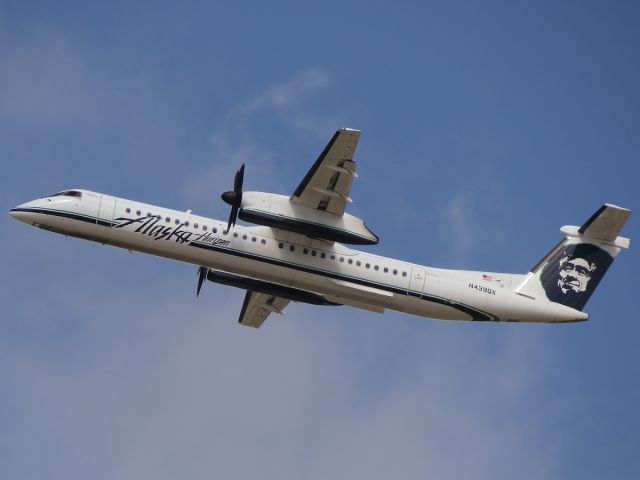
(570, 272)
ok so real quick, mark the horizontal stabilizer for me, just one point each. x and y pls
(606, 223)
(603, 227)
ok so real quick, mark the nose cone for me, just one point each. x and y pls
(19, 213)
(25, 212)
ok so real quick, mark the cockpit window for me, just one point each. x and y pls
(68, 193)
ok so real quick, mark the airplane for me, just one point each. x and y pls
(296, 251)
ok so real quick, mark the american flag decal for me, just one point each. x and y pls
(487, 278)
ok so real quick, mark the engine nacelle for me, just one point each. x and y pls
(278, 211)
(284, 291)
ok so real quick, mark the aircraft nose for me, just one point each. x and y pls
(18, 213)
(23, 212)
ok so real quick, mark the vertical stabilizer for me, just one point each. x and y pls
(570, 273)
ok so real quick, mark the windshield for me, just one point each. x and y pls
(68, 193)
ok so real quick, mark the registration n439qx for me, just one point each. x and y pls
(297, 251)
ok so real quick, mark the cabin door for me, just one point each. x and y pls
(417, 279)
(106, 211)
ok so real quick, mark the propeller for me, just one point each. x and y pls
(234, 197)
(202, 274)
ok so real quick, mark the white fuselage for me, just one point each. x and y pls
(339, 274)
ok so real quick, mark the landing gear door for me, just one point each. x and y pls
(417, 279)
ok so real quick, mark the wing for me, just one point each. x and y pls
(257, 307)
(327, 184)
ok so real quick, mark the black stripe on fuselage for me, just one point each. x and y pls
(472, 312)
(64, 214)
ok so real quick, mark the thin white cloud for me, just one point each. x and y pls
(456, 216)
(470, 220)
(287, 101)
(235, 142)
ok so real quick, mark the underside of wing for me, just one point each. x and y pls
(327, 184)
(257, 307)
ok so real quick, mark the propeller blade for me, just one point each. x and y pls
(232, 218)
(202, 274)
(239, 180)
(234, 197)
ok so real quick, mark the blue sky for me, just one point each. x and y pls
(485, 128)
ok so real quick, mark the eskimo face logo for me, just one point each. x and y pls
(572, 273)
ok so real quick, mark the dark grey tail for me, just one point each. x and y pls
(570, 273)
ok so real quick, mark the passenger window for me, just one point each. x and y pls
(333, 257)
(215, 230)
(386, 270)
(177, 222)
(375, 267)
(128, 210)
(280, 245)
(235, 234)
(253, 239)
(292, 248)
(204, 228)
(395, 272)
(323, 255)
(313, 253)
(167, 219)
(244, 237)
(305, 250)
(358, 263)
(341, 259)
(195, 225)
(350, 261)
(263, 241)
(186, 224)
(366, 265)
(138, 212)
(404, 274)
